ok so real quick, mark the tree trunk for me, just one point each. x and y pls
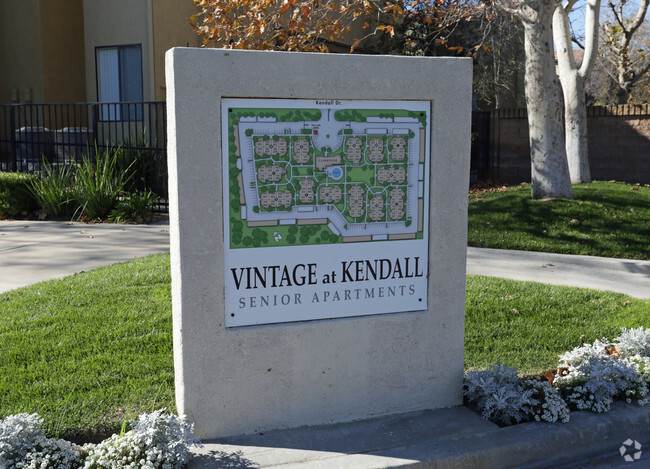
(575, 123)
(622, 96)
(572, 78)
(549, 168)
(623, 68)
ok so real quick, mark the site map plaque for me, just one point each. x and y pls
(325, 208)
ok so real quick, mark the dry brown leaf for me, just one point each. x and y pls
(550, 376)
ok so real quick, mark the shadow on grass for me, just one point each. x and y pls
(607, 220)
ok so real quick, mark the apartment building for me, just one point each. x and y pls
(55, 51)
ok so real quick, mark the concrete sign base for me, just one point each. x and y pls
(242, 380)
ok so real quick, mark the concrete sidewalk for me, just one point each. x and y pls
(34, 251)
(627, 276)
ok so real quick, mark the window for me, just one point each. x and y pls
(119, 80)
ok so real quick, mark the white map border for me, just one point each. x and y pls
(268, 305)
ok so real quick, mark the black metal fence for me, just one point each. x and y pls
(62, 134)
(480, 156)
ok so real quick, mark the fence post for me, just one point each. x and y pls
(12, 132)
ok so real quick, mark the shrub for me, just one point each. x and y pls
(594, 375)
(15, 194)
(53, 190)
(633, 342)
(99, 182)
(502, 397)
(23, 446)
(136, 207)
(590, 377)
(158, 440)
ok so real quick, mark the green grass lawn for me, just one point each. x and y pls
(93, 349)
(527, 324)
(88, 351)
(604, 219)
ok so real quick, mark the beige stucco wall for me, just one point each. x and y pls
(171, 28)
(20, 43)
(62, 44)
(118, 22)
(48, 46)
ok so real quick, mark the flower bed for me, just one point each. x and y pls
(590, 377)
(157, 440)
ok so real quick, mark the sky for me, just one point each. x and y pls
(577, 17)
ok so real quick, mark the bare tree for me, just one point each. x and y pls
(626, 65)
(573, 77)
(493, 39)
(498, 67)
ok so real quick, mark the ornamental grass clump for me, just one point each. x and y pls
(54, 189)
(136, 207)
(99, 183)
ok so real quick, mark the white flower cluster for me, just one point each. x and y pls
(54, 454)
(591, 377)
(158, 440)
(502, 397)
(23, 446)
(550, 406)
(594, 375)
(633, 342)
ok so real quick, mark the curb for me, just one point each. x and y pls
(441, 439)
(587, 436)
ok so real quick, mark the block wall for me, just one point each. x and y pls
(619, 144)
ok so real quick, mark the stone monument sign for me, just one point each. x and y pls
(318, 210)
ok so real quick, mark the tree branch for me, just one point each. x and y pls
(516, 12)
(592, 16)
(640, 16)
(569, 5)
(577, 42)
(618, 17)
(639, 75)
(562, 37)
